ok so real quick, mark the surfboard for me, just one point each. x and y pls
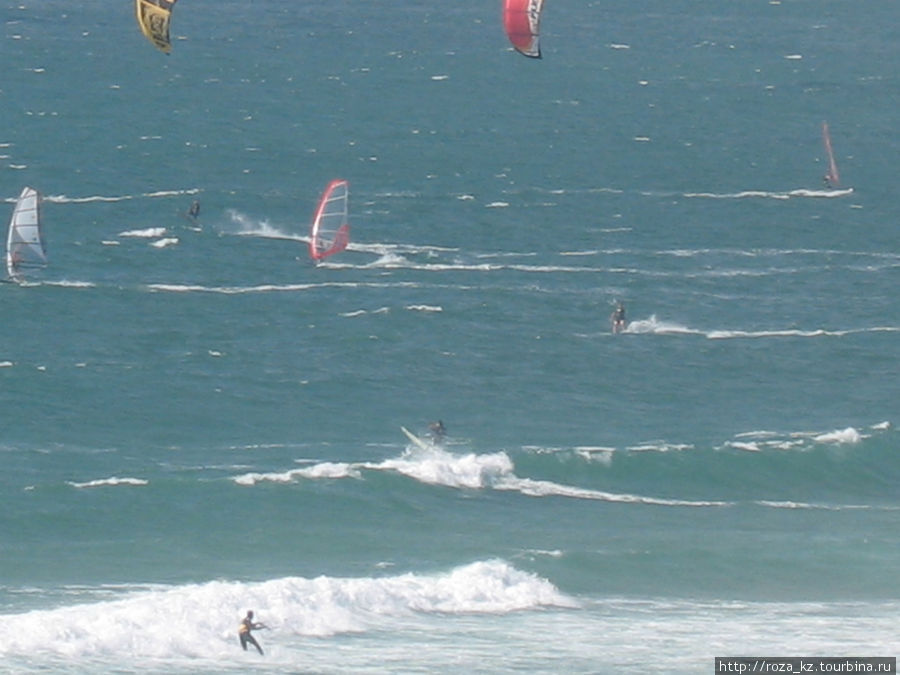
(423, 444)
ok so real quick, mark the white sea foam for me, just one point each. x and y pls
(659, 446)
(165, 242)
(603, 455)
(734, 334)
(655, 326)
(542, 488)
(363, 312)
(199, 621)
(761, 441)
(322, 470)
(64, 199)
(658, 327)
(146, 233)
(748, 447)
(842, 436)
(469, 471)
(273, 288)
(770, 194)
(249, 226)
(439, 467)
(68, 283)
(107, 482)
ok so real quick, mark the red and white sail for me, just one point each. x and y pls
(330, 231)
(522, 21)
(832, 177)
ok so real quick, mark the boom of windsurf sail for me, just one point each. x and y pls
(833, 178)
(24, 243)
(330, 231)
(522, 21)
(153, 17)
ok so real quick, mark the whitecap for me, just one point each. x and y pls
(106, 482)
(840, 437)
(322, 470)
(147, 233)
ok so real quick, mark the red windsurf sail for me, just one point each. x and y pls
(330, 231)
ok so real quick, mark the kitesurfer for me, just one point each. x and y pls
(438, 431)
(618, 318)
(244, 629)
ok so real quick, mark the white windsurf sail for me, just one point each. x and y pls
(330, 231)
(24, 241)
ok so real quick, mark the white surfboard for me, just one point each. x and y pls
(423, 444)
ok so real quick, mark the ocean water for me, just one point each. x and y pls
(198, 421)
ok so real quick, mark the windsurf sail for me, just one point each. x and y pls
(833, 178)
(24, 243)
(153, 17)
(330, 231)
(522, 21)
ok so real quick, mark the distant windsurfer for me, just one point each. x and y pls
(244, 629)
(618, 318)
(438, 431)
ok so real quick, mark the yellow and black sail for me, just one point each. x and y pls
(153, 17)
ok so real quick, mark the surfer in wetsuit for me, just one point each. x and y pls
(244, 629)
(194, 211)
(438, 431)
(618, 318)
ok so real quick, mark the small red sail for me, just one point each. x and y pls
(522, 21)
(330, 231)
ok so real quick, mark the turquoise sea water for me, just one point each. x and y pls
(199, 422)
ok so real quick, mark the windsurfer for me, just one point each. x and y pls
(244, 629)
(618, 318)
(438, 431)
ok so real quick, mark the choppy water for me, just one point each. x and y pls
(199, 422)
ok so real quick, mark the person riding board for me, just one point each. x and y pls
(438, 431)
(244, 629)
(618, 318)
